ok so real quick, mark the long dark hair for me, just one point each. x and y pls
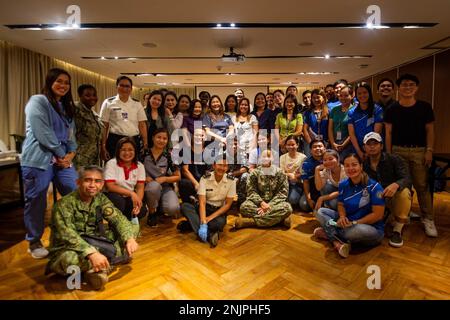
(320, 92)
(370, 102)
(191, 108)
(66, 100)
(255, 108)
(236, 106)
(119, 145)
(295, 111)
(173, 94)
(184, 96)
(161, 110)
(238, 111)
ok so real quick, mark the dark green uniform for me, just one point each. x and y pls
(72, 218)
(269, 185)
(88, 135)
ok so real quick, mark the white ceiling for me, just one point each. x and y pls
(388, 47)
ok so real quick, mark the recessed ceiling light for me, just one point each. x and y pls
(116, 57)
(327, 56)
(232, 25)
(218, 25)
(149, 45)
(305, 44)
(189, 79)
(102, 58)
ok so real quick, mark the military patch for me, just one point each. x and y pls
(380, 195)
(207, 175)
(108, 211)
(230, 176)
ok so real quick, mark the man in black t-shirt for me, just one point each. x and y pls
(386, 93)
(409, 127)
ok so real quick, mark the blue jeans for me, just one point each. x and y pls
(36, 182)
(327, 189)
(362, 234)
(295, 192)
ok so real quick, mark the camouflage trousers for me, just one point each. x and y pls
(63, 259)
(275, 215)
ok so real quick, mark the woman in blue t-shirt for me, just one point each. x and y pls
(359, 219)
(366, 117)
(216, 122)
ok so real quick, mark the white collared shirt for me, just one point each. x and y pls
(217, 192)
(123, 117)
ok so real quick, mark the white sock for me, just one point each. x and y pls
(398, 227)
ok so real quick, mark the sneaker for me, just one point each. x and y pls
(214, 239)
(396, 240)
(414, 216)
(287, 222)
(343, 249)
(97, 280)
(37, 250)
(320, 233)
(184, 226)
(152, 220)
(430, 228)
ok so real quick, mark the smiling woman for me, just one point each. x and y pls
(47, 154)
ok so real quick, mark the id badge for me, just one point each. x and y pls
(125, 116)
(339, 135)
(370, 121)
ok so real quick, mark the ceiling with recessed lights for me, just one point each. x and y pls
(187, 43)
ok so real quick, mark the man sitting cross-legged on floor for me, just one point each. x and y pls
(267, 192)
(78, 234)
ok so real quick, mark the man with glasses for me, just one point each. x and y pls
(122, 117)
(409, 127)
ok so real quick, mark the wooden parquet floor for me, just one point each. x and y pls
(250, 264)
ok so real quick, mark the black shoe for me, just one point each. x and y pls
(152, 220)
(184, 226)
(214, 239)
(396, 240)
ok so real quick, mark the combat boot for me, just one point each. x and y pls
(242, 222)
(97, 280)
(287, 222)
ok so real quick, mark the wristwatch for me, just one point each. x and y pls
(354, 222)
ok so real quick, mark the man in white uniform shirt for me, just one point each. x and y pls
(122, 117)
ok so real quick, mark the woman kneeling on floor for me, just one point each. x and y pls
(359, 219)
(215, 197)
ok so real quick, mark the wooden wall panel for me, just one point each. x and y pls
(423, 69)
(442, 102)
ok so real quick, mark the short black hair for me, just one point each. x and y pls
(119, 145)
(83, 87)
(383, 80)
(407, 76)
(329, 85)
(306, 92)
(123, 78)
(340, 81)
(316, 140)
(82, 171)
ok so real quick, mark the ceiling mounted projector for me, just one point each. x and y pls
(233, 57)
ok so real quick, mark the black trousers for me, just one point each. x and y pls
(125, 204)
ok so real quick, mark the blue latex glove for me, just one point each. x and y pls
(203, 232)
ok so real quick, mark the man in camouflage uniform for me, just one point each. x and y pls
(74, 216)
(267, 190)
(88, 128)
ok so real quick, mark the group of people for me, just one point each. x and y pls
(349, 160)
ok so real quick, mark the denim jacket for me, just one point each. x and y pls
(41, 143)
